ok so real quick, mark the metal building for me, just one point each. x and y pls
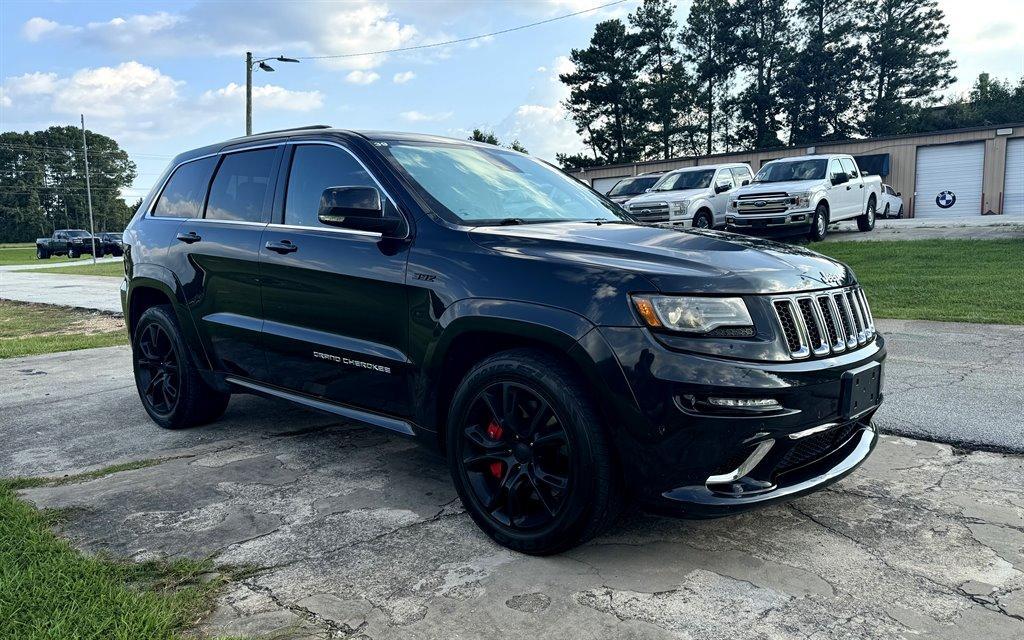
(960, 172)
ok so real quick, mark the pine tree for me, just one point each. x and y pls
(604, 98)
(484, 136)
(709, 45)
(824, 82)
(906, 63)
(663, 82)
(764, 54)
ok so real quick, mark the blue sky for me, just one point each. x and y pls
(162, 77)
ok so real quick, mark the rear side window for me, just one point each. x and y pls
(740, 175)
(186, 190)
(241, 189)
(849, 167)
(316, 167)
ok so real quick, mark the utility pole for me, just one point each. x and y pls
(249, 64)
(88, 191)
(248, 93)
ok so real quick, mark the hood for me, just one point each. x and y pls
(666, 196)
(774, 187)
(675, 261)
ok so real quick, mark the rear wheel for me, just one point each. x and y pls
(170, 387)
(866, 222)
(819, 223)
(528, 454)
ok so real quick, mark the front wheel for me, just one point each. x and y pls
(819, 223)
(42, 254)
(866, 222)
(528, 454)
(703, 220)
(170, 387)
(73, 254)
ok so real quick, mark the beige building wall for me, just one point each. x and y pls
(902, 152)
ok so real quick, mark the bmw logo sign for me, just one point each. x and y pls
(760, 203)
(946, 199)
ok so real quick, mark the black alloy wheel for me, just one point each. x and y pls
(516, 456)
(158, 369)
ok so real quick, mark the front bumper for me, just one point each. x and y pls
(684, 457)
(784, 222)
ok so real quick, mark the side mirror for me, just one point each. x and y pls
(840, 178)
(356, 208)
(722, 188)
(745, 183)
(899, 195)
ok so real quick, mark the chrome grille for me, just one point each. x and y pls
(650, 211)
(762, 203)
(824, 322)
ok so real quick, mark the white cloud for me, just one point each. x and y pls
(541, 124)
(359, 76)
(403, 77)
(36, 28)
(30, 84)
(5, 100)
(113, 92)
(267, 96)
(419, 116)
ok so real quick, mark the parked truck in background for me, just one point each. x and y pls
(804, 195)
(690, 197)
(68, 242)
(629, 188)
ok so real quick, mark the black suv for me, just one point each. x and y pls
(563, 357)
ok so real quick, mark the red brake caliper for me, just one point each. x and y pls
(494, 432)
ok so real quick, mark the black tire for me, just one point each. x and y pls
(885, 212)
(42, 254)
(866, 222)
(703, 220)
(73, 254)
(170, 387)
(576, 494)
(899, 214)
(819, 223)
(99, 253)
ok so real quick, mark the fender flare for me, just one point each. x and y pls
(162, 279)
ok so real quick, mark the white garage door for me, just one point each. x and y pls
(1013, 190)
(604, 185)
(949, 180)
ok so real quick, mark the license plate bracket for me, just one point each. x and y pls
(861, 390)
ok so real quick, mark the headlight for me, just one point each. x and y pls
(733, 204)
(692, 314)
(800, 200)
(678, 207)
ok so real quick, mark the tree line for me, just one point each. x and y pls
(42, 183)
(744, 74)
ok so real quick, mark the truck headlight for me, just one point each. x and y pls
(678, 208)
(800, 200)
(692, 314)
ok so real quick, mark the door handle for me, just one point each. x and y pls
(190, 237)
(861, 186)
(282, 247)
(848, 187)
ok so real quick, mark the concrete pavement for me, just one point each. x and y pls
(100, 293)
(357, 533)
(966, 228)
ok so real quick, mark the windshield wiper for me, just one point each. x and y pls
(505, 222)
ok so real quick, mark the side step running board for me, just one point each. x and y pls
(376, 420)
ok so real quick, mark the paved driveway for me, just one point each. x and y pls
(359, 533)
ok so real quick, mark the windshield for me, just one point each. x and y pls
(478, 185)
(632, 186)
(77, 233)
(685, 180)
(786, 171)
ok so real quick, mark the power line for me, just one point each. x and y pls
(461, 40)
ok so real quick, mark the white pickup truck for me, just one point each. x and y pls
(690, 197)
(805, 194)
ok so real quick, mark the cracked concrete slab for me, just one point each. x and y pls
(356, 533)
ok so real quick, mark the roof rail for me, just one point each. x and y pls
(311, 126)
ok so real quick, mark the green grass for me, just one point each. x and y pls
(49, 591)
(949, 280)
(85, 267)
(30, 329)
(24, 254)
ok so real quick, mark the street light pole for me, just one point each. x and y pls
(88, 191)
(248, 93)
(249, 64)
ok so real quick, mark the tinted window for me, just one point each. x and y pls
(239, 191)
(633, 186)
(185, 191)
(315, 168)
(849, 167)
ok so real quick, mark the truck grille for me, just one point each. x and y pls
(824, 322)
(762, 203)
(650, 211)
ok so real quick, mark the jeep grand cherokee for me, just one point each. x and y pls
(565, 358)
